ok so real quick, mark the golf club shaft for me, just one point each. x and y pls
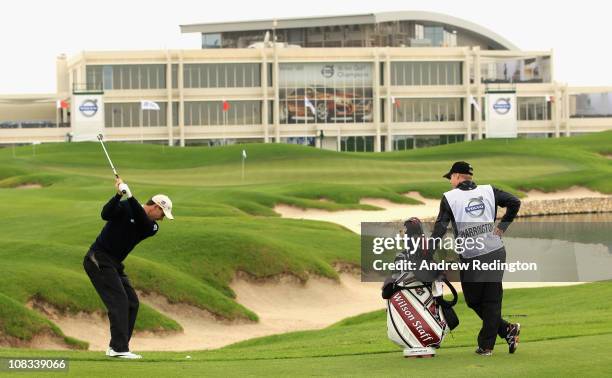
(108, 158)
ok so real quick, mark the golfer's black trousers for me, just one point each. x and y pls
(118, 295)
(483, 293)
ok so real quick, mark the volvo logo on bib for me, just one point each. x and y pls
(475, 207)
(474, 212)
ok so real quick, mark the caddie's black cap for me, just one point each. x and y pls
(460, 167)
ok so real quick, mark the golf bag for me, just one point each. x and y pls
(418, 317)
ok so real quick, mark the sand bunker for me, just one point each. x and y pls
(45, 340)
(352, 219)
(282, 307)
(29, 186)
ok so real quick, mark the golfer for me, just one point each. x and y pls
(472, 210)
(127, 224)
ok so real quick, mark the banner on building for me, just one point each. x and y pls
(331, 92)
(87, 117)
(501, 115)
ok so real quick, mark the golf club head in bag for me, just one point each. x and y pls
(416, 318)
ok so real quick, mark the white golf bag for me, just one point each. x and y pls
(418, 317)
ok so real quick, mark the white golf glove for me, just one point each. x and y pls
(124, 188)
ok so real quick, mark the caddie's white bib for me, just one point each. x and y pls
(474, 212)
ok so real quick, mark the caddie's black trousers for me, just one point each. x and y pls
(118, 295)
(483, 293)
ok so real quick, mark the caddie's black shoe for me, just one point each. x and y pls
(484, 352)
(513, 337)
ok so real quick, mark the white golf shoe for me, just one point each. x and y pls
(127, 355)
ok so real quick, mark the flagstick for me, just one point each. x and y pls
(243, 168)
(14, 150)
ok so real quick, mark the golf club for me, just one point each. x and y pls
(100, 137)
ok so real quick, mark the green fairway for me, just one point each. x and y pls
(584, 357)
(564, 334)
(226, 224)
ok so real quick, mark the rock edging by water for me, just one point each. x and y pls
(563, 206)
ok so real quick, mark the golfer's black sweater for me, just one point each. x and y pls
(127, 225)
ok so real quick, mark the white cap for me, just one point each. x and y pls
(164, 202)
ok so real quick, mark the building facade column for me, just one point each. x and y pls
(181, 107)
(388, 105)
(478, 83)
(566, 106)
(264, 106)
(376, 100)
(556, 107)
(467, 114)
(275, 83)
(169, 107)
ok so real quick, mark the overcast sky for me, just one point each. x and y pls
(33, 33)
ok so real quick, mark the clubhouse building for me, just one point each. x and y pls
(365, 82)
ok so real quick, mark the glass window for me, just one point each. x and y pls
(532, 70)
(128, 115)
(592, 105)
(240, 75)
(186, 76)
(425, 73)
(134, 77)
(426, 110)
(116, 77)
(117, 115)
(403, 142)
(128, 77)
(108, 77)
(175, 76)
(435, 34)
(211, 41)
(533, 109)
(228, 75)
(93, 77)
(108, 115)
(210, 113)
(175, 114)
(357, 144)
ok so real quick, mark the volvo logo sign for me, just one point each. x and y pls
(89, 108)
(475, 207)
(327, 71)
(502, 106)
